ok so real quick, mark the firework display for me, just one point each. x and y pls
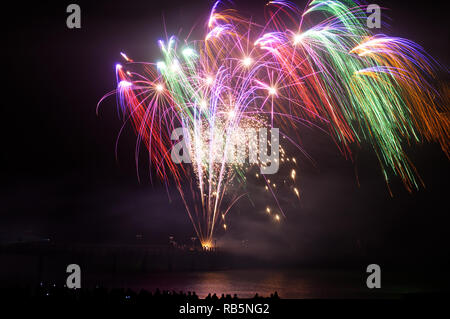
(321, 66)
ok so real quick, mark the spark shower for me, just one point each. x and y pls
(318, 67)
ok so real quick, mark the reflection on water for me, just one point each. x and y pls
(288, 284)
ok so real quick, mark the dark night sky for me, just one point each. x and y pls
(60, 177)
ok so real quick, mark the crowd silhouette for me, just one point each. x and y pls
(50, 293)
